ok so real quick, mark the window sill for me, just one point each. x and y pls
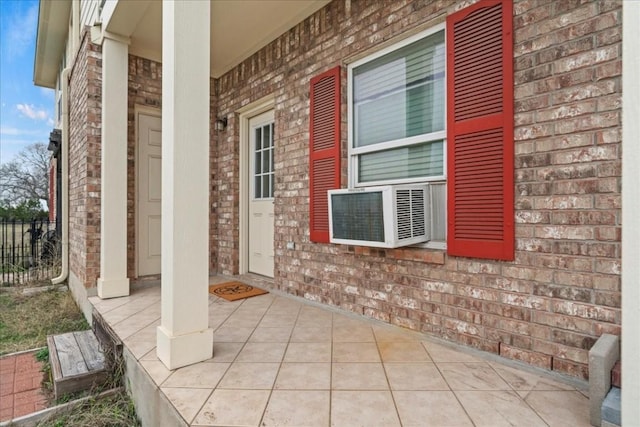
(427, 252)
(438, 245)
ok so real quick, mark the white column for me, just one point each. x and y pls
(183, 335)
(630, 214)
(113, 281)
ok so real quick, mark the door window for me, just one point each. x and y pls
(263, 162)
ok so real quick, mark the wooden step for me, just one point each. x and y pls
(108, 339)
(77, 362)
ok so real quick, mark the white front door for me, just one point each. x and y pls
(261, 183)
(149, 178)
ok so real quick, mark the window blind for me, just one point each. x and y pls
(400, 94)
(420, 160)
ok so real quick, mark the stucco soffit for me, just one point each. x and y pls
(53, 26)
(122, 17)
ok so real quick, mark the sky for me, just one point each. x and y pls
(26, 111)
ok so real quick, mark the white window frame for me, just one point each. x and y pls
(354, 152)
(58, 90)
(271, 174)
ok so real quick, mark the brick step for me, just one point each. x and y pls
(77, 362)
(616, 375)
(611, 412)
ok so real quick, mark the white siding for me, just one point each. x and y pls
(630, 208)
(89, 11)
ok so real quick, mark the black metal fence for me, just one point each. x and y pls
(29, 251)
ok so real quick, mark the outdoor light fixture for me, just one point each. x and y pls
(55, 137)
(220, 124)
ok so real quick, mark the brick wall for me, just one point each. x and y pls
(85, 136)
(85, 90)
(213, 180)
(145, 89)
(563, 289)
(568, 96)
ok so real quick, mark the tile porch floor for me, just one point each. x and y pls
(282, 361)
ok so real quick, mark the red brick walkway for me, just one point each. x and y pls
(20, 386)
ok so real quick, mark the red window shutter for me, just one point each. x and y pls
(480, 183)
(324, 150)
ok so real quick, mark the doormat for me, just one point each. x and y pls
(232, 291)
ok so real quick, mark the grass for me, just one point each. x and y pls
(116, 410)
(42, 355)
(36, 275)
(26, 320)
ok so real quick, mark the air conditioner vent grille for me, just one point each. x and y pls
(386, 216)
(410, 213)
(354, 216)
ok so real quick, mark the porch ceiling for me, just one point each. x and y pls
(238, 28)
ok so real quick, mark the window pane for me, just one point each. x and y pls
(265, 187)
(258, 163)
(273, 137)
(421, 160)
(267, 136)
(265, 161)
(258, 139)
(438, 211)
(401, 94)
(257, 187)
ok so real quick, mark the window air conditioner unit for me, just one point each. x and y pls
(387, 216)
